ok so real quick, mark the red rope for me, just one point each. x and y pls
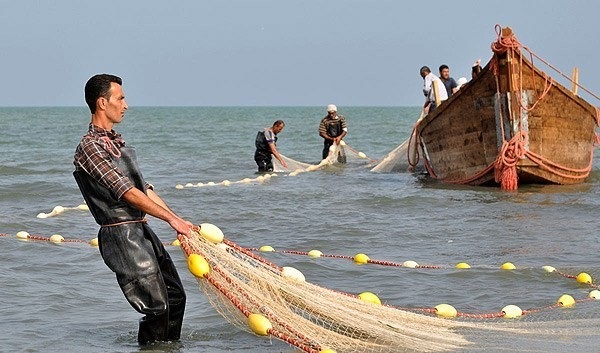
(413, 136)
(250, 254)
(575, 277)
(294, 342)
(481, 316)
(339, 256)
(294, 252)
(240, 306)
(75, 241)
(505, 167)
(110, 147)
(384, 263)
(505, 170)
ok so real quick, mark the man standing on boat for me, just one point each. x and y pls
(433, 89)
(265, 143)
(108, 176)
(449, 83)
(332, 129)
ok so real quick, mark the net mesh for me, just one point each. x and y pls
(395, 161)
(402, 158)
(342, 153)
(314, 318)
(310, 317)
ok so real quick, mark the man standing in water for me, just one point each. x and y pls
(332, 129)
(108, 176)
(266, 145)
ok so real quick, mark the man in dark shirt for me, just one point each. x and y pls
(449, 82)
(112, 185)
(266, 146)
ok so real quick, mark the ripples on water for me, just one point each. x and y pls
(62, 298)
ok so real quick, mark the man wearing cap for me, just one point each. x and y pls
(332, 129)
(460, 82)
(429, 82)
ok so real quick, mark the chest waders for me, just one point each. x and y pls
(262, 156)
(334, 129)
(144, 269)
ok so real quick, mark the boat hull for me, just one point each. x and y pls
(467, 139)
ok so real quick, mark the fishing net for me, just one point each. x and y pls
(394, 162)
(292, 165)
(61, 209)
(403, 158)
(243, 286)
(263, 298)
(338, 154)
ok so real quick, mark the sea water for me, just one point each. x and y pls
(62, 298)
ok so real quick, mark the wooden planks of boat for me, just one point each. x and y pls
(509, 125)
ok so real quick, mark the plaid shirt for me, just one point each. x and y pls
(94, 156)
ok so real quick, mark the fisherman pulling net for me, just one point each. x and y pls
(294, 167)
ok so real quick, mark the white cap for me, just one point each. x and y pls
(461, 81)
(331, 108)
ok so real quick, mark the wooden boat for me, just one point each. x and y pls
(511, 124)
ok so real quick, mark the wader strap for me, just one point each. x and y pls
(143, 220)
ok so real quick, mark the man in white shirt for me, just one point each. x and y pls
(429, 81)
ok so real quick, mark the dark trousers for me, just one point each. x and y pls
(326, 145)
(147, 277)
(264, 162)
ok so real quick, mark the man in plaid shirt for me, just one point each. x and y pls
(112, 185)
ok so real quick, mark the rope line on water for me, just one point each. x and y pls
(444, 310)
(361, 259)
(441, 310)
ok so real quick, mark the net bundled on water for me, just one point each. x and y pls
(341, 153)
(266, 299)
(395, 161)
(403, 158)
(292, 165)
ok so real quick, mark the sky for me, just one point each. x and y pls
(274, 52)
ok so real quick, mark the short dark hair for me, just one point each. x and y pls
(424, 69)
(278, 122)
(443, 67)
(99, 86)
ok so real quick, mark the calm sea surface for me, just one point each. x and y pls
(62, 298)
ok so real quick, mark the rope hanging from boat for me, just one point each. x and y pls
(502, 44)
(511, 151)
(505, 166)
